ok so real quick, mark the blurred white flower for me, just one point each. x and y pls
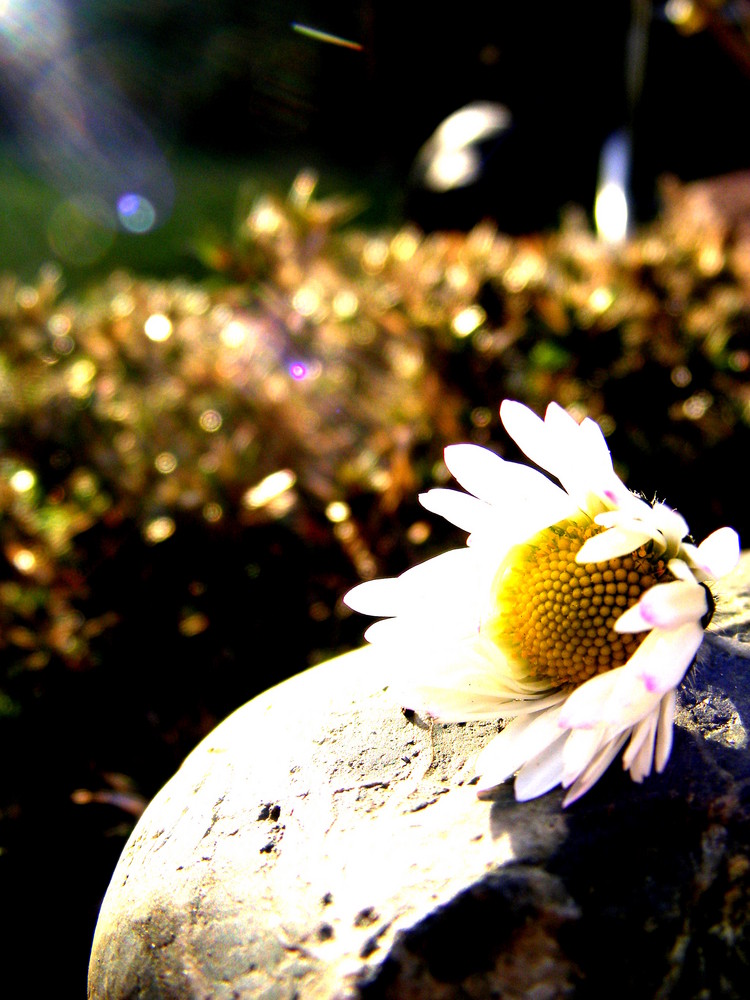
(573, 610)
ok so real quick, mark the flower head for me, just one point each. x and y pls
(574, 610)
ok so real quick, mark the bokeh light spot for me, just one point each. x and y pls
(210, 421)
(80, 376)
(158, 327)
(306, 301)
(23, 481)
(136, 213)
(165, 463)
(24, 560)
(337, 511)
(159, 530)
(270, 488)
(468, 320)
(213, 512)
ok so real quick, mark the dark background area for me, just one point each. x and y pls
(220, 94)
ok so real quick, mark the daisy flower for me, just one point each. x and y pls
(573, 610)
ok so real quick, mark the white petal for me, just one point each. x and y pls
(447, 704)
(639, 755)
(541, 773)
(529, 433)
(717, 555)
(490, 478)
(522, 739)
(584, 708)
(665, 729)
(461, 509)
(581, 748)
(596, 445)
(449, 586)
(595, 770)
(671, 524)
(680, 569)
(468, 679)
(611, 544)
(376, 597)
(665, 605)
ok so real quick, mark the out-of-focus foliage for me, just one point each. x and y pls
(317, 376)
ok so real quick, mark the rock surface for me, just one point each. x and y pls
(320, 844)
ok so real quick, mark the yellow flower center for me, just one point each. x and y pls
(557, 616)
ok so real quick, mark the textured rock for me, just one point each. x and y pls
(319, 844)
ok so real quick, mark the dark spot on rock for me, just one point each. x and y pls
(325, 932)
(268, 847)
(370, 945)
(366, 917)
(269, 811)
(327, 899)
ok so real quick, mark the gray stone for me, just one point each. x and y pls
(321, 844)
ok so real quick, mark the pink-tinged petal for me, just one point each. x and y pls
(542, 773)
(663, 657)
(522, 739)
(611, 544)
(595, 770)
(665, 729)
(633, 621)
(665, 605)
(461, 509)
(617, 699)
(718, 554)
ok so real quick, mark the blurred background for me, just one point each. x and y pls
(259, 264)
